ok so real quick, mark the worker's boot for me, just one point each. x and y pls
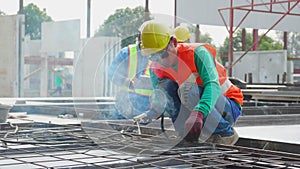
(228, 140)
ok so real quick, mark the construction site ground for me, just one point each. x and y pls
(280, 133)
(49, 127)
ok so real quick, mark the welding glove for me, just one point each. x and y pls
(193, 126)
(144, 118)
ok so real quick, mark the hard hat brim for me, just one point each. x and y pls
(149, 51)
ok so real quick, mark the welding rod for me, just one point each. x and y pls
(139, 128)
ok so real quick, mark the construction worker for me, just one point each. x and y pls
(201, 99)
(182, 34)
(58, 82)
(130, 72)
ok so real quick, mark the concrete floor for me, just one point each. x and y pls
(281, 133)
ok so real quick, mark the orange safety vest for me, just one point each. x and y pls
(132, 70)
(187, 71)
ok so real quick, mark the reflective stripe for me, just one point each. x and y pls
(226, 85)
(125, 89)
(187, 84)
(144, 92)
(133, 60)
(192, 79)
(185, 87)
(147, 70)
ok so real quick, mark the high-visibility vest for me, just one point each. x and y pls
(132, 71)
(187, 71)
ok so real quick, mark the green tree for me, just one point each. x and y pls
(237, 43)
(293, 43)
(205, 38)
(33, 20)
(124, 23)
(266, 43)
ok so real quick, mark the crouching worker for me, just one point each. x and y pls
(130, 72)
(201, 102)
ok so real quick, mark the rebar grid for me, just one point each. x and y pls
(70, 147)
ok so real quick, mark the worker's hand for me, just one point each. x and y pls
(193, 126)
(130, 82)
(143, 118)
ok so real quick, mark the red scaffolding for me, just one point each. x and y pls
(255, 6)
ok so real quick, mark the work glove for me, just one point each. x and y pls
(144, 118)
(193, 126)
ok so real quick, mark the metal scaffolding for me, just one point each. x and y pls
(255, 6)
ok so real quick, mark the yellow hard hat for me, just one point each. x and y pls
(182, 33)
(154, 37)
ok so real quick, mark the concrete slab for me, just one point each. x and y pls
(281, 133)
(45, 119)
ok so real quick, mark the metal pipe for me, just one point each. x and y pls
(146, 16)
(175, 13)
(285, 40)
(255, 40)
(230, 50)
(88, 20)
(21, 11)
(243, 39)
(20, 39)
(197, 39)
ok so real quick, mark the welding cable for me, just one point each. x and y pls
(5, 136)
(162, 116)
(14, 132)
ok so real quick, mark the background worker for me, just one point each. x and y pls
(58, 82)
(206, 101)
(182, 34)
(130, 72)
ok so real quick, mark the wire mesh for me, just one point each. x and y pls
(68, 146)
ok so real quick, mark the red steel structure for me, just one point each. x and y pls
(255, 6)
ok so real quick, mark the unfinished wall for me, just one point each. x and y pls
(60, 36)
(10, 54)
(90, 67)
(264, 65)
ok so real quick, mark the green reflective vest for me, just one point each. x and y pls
(143, 88)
